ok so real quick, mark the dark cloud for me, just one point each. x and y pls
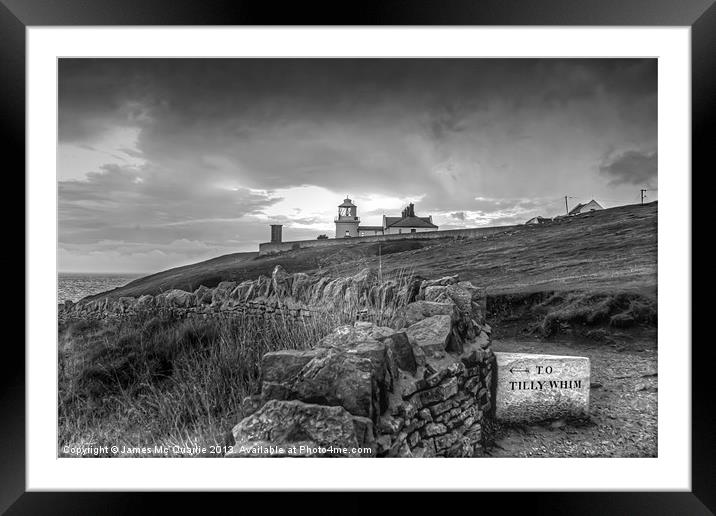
(631, 167)
(141, 205)
(195, 150)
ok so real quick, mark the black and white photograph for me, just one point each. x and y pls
(357, 257)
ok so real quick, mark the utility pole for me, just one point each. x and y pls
(642, 194)
(566, 206)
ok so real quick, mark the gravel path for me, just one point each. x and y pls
(623, 406)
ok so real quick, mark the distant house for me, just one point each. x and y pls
(408, 222)
(585, 208)
(538, 220)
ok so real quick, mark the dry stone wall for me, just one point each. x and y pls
(282, 295)
(423, 387)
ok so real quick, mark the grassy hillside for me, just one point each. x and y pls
(150, 380)
(613, 250)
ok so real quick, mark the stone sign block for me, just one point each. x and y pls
(540, 387)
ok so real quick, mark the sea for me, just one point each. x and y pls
(75, 286)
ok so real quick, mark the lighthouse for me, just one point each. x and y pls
(347, 221)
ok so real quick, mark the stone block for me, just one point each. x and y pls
(402, 351)
(534, 387)
(432, 335)
(439, 393)
(278, 366)
(425, 415)
(419, 310)
(279, 425)
(433, 429)
(443, 442)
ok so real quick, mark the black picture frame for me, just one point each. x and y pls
(700, 15)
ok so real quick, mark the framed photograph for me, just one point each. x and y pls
(418, 248)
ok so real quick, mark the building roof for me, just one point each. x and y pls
(370, 228)
(578, 208)
(538, 220)
(408, 222)
(347, 203)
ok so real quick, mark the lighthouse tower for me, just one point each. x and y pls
(347, 221)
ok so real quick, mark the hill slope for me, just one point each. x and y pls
(613, 250)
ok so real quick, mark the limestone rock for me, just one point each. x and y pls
(222, 292)
(145, 301)
(460, 296)
(431, 334)
(419, 310)
(180, 299)
(282, 365)
(433, 429)
(389, 425)
(343, 337)
(474, 356)
(332, 378)
(478, 300)
(251, 404)
(440, 393)
(441, 282)
(435, 293)
(203, 295)
(305, 426)
(462, 448)
(243, 291)
(126, 303)
(402, 351)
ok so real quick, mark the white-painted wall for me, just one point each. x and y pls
(397, 231)
(371, 233)
(351, 227)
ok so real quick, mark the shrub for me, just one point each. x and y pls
(620, 311)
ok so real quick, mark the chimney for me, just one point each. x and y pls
(276, 233)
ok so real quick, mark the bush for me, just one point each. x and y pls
(622, 310)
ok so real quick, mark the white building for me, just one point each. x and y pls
(348, 223)
(585, 208)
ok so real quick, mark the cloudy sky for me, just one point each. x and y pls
(164, 162)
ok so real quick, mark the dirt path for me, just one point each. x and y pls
(623, 406)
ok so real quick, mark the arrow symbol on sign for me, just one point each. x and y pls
(519, 370)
